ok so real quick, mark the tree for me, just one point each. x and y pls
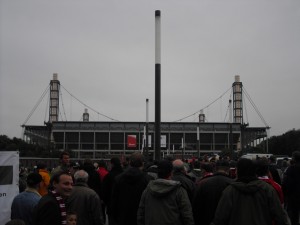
(284, 144)
(25, 149)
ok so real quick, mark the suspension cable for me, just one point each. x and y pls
(88, 106)
(36, 105)
(47, 105)
(255, 108)
(228, 108)
(179, 120)
(63, 106)
(245, 105)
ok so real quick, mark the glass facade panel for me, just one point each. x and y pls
(102, 137)
(58, 136)
(86, 137)
(176, 138)
(117, 137)
(117, 146)
(72, 137)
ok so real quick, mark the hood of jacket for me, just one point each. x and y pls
(250, 187)
(195, 173)
(162, 187)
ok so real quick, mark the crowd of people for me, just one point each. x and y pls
(206, 191)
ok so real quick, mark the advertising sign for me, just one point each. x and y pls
(131, 141)
(9, 181)
(163, 141)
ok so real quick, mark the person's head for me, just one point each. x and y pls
(262, 167)
(102, 164)
(213, 159)
(81, 176)
(272, 159)
(125, 163)
(222, 166)
(74, 166)
(178, 166)
(284, 163)
(136, 160)
(207, 167)
(246, 168)
(71, 218)
(88, 162)
(41, 165)
(62, 183)
(96, 165)
(197, 165)
(88, 166)
(164, 169)
(115, 162)
(15, 222)
(65, 158)
(296, 156)
(232, 163)
(33, 180)
(22, 170)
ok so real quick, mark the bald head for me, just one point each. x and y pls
(177, 162)
(178, 166)
(81, 176)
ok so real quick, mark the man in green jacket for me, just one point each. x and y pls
(164, 201)
(249, 201)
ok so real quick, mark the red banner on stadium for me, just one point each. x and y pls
(131, 141)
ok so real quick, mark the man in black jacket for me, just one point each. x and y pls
(108, 181)
(127, 191)
(51, 209)
(180, 174)
(291, 189)
(209, 192)
(249, 200)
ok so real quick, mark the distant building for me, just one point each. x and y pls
(105, 139)
(98, 139)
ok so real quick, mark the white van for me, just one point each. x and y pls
(254, 156)
(280, 159)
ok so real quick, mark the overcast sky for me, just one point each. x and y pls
(103, 52)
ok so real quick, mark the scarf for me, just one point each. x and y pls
(62, 207)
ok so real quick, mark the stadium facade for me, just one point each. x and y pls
(102, 139)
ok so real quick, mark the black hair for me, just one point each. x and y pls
(262, 167)
(222, 163)
(33, 179)
(102, 163)
(246, 168)
(207, 167)
(64, 153)
(115, 161)
(164, 169)
(136, 159)
(296, 156)
(41, 165)
(197, 165)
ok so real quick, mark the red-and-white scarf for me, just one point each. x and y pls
(62, 207)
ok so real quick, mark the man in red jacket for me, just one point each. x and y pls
(263, 173)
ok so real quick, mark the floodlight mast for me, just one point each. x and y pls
(157, 85)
